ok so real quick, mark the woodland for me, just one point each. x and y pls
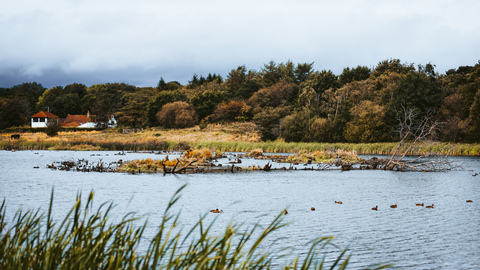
(287, 101)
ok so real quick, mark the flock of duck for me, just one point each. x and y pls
(395, 206)
(339, 202)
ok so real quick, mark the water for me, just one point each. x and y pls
(445, 237)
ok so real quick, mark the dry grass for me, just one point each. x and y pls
(242, 137)
(31, 137)
(229, 132)
(323, 156)
(149, 139)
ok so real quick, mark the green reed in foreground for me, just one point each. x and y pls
(85, 240)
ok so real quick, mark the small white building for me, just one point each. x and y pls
(112, 122)
(40, 119)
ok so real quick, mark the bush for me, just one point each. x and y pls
(178, 114)
(231, 111)
(272, 96)
(269, 121)
(206, 101)
(368, 123)
(295, 127)
(181, 146)
(53, 127)
(320, 130)
(203, 124)
(163, 98)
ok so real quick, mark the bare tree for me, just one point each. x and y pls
(414, 130)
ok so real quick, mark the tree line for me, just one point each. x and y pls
(287, 100)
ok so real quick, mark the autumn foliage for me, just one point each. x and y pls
(289, 102)
(178, 114)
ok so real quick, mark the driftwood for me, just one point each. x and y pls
(346, 167)
(414, 130)
(267, 167)
(173, 171)
(83, 165)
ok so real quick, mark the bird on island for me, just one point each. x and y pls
(216, 211)
(393, 206)
(430, 206)
(419, 204)
(285, 212)
(375, 208)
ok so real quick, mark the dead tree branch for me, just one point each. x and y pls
(412, 130)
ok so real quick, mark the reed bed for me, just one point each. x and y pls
(362, 149)
(85, 239)
(323, 156)
(221, 137)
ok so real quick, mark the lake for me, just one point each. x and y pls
(445, 237)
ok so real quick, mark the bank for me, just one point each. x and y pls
(224, 138)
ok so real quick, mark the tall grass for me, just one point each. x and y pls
(147, 141)
(360, 148)
(85, 239)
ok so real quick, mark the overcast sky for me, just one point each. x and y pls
(59, 42)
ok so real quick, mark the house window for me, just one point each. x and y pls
(42, 119)
(35, 119)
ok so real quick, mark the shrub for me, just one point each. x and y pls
(295, 127)
(53, 126)
(269, 121)
(178, 114)
(163, 98)
(229, 111)
(368, 124)
(181, 146)
(273, 96)
(203, 124)
(320, 130)
(206, 101)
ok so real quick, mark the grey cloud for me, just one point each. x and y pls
(136, 43)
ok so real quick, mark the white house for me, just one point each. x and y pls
(72, 121)
(40, 119)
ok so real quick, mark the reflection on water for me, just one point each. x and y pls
(447, 236)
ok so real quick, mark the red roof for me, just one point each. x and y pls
(80, 119)
(71, 124)
(44, 114)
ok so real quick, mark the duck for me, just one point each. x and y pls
(419, 204)
(469, 201)
(285, 212)
(393, 206)
(430, 206)
(339, 202)
(216, 211)
(313, 208)
(375, 208)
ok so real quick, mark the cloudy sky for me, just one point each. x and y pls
(59, 42)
